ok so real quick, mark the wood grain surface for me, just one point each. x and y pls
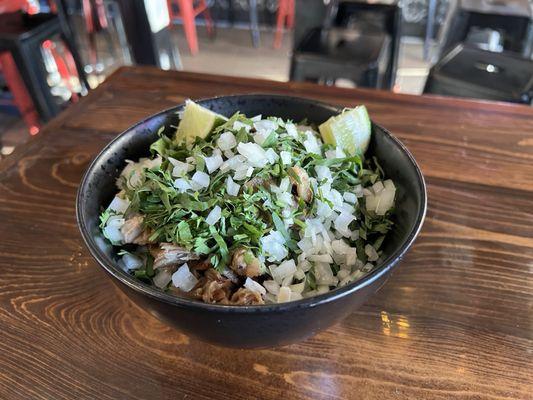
(454, 322)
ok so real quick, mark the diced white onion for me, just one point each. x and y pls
(242, 172)
(162, 278)
(291, 130)
(238, 125)
(321, 289)
(323, 173)
(182, 185)
(180, 168)
(287, 281)
(272, 156)
(273, 246)
(213, 163)
(119, 205)
(155, 163)
(321, 258)
(265, 127)
(371, 252)
(112, 230)
(271, 286)
(254, 153)
(386, 199)
(226, 141)
(378, 187)
(371, 202)
(311, 143)
(270, 298)
(286, 157)
(299, 274)
(285, 269)
(323, 273)
(232, 188)
(254, 286)
(214, 216)
(229, 154)
(304, 265)
(183, 279)
(389, 184)
(296, 296)
(131, 262)
(350, 197)
(323, 210)
(200, 180)
(341, 223)
(297, 287)
(343, 274)
(284, 294)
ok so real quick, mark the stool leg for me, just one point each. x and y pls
(171, 12)
(21, 98)
(100, 12)
(209, 22)
(295, 72)
(254, 23)
(187, 15)
(290, 14)
(279, 23)
(116, 19)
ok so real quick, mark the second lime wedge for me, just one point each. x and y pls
(349, 130)
(197, 121)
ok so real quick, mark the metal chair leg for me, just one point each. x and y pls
(68, 38)
(30, 66)
(432, 8)
(254, 23)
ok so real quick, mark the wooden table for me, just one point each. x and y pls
(454, 322)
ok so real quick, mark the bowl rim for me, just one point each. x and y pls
(313, 301)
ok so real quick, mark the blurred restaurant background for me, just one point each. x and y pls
(53, 52)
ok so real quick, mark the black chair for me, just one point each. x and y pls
(327, 55)
(384, 17)
(513, 28)
(361, 45)
(147, 47)
(471, 72)
(23, 35)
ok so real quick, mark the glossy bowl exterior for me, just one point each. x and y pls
(251, 326)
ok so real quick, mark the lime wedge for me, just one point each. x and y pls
(197, 121)
(349, 130)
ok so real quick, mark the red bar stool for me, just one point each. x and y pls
(188, 11)
(21, 98)
(27, 39)
(285, 17)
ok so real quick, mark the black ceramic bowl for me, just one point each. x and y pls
(251, 326)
